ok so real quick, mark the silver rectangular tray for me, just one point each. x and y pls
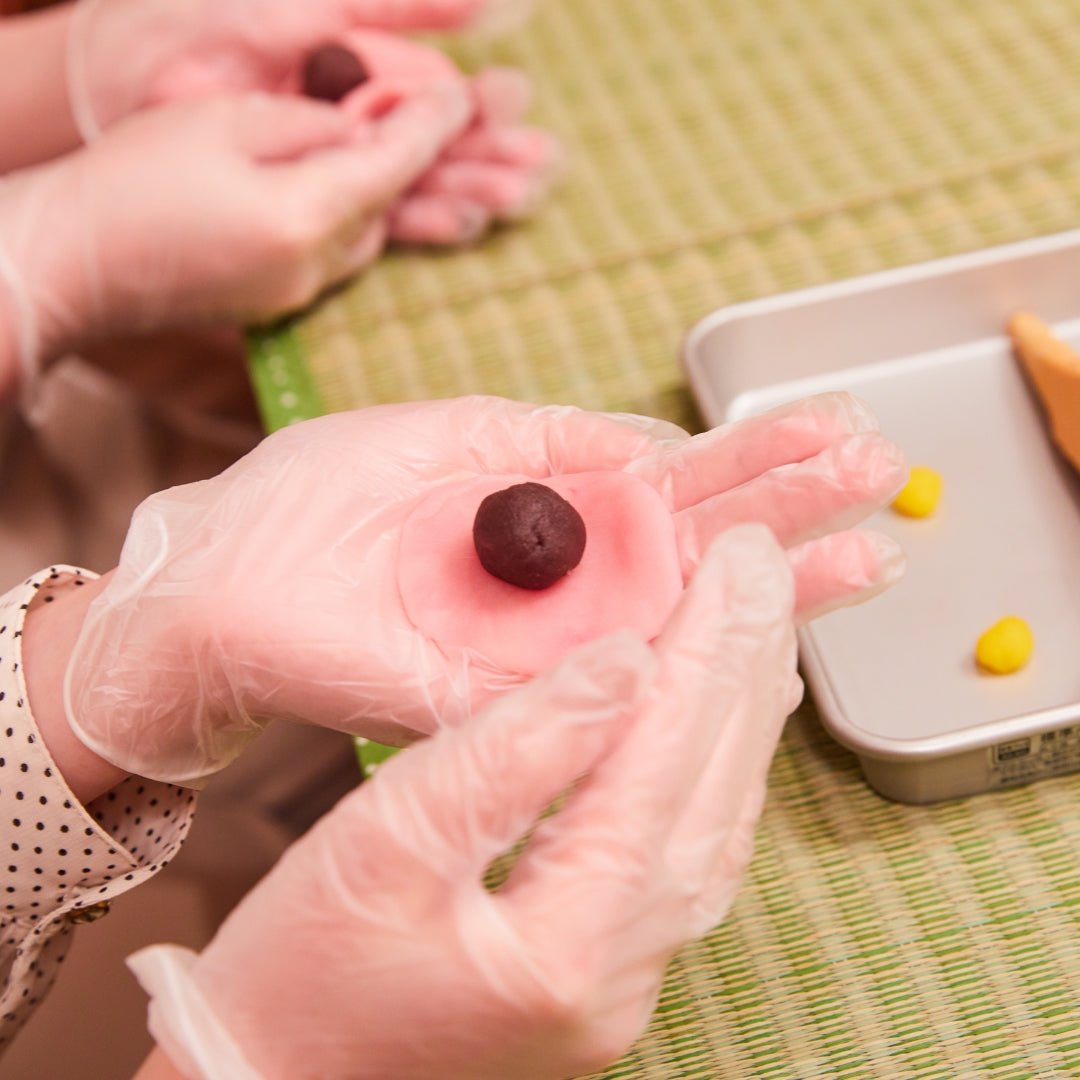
(895, 679)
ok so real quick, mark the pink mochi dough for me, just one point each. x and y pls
(629, 576)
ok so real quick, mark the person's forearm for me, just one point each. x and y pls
(38, 123)
(49, 635)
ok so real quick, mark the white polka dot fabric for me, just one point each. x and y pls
(61, 862)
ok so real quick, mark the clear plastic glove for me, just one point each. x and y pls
(276, 589)
(498, 170)
(231, 210)
(126, 55)
(374, 950)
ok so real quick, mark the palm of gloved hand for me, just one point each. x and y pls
(373, 950)
(274, 590)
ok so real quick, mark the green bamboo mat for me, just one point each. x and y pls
(723, 150)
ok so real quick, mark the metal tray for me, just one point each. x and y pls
(925, 346)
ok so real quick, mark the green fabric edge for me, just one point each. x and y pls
(281, 379)
(370, 754)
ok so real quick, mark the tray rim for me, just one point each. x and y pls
(835, 720)
(883, 748)
(689, 352)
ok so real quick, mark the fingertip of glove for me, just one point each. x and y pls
(872, 459)
(857, 415)
(889, 466)
(451, 100)
(844, 569)
(866, 557)
(891, 557)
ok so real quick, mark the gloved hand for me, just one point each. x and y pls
(374, 950)
(126, 55)
(275, 589)
(228, 209)
(498, 169)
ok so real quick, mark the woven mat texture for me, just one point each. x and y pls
(723, 150)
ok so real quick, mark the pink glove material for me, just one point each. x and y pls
(497, 170)
(374, 951)
(126, 55)
(278, 589)
(215, 210)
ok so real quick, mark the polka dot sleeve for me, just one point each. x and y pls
(60, 862)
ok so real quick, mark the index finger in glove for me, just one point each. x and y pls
(732, 454)
(726, 681)
(836, 489)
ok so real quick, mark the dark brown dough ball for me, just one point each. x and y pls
(331, 72)
(528, 535)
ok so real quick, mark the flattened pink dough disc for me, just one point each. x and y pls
(629, 576)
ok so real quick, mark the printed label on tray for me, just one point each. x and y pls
(1034, 757)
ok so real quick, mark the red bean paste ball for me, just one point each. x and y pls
(528, 535)
(331, 71)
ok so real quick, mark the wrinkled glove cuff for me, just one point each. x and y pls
(75, 63)
(182, 1022)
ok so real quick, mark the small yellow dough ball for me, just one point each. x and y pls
(1006, 646)
(920, 494)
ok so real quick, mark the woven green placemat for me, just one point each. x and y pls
(723, 150)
